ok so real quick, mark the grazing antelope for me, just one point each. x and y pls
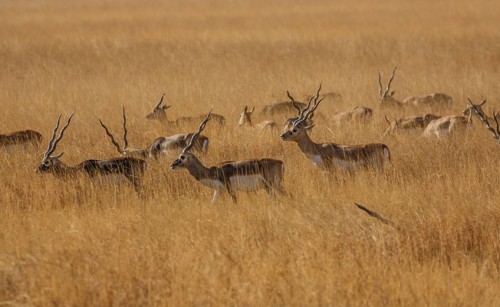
(387, 100)
(330, 156)
(246, 175)
(24, 138)
(409, 124)
(447, 125)
(484, 119)
(356, 115)
(246, 119)
(159, 147)
(159, 113)
(129, 168)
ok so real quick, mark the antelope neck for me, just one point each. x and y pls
(197, 169)
(307, 145)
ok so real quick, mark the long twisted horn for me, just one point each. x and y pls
(61, 134)
(51, 141)
(379, 84)
(159, 102)
(112, 138)
(197, 133)
(125, 141)
(390, 82)
(303, 117)
(496, 134)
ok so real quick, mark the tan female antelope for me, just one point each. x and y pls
(159, 113)
(356, 115)
(433, 101)
(25, 138)
(447, 125)
(247, 175)
(129, 168)
(409, 124)
(160, 146)
(330, 156)
(477, 108)
(246, 120)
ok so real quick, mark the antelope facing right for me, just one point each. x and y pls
(484, 119)
(160, 146)
(246, 175)
(129, 168)
(330, 156)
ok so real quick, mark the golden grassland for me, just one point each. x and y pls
(88, 243)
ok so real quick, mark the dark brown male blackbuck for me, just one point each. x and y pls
(161, 146)
(331, 156)
(128, 168)
(232, 176)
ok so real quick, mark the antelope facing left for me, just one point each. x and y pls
(246, 175)
(23, 138)
(131, 169)
(160, 146)
(330, 156)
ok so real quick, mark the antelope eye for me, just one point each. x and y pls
(183, 157)
(46, 163)
(295, 130)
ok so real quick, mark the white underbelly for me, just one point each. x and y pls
(318, 162)
(214, 184)
(247, 183)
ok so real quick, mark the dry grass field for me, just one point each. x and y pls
(81, 242)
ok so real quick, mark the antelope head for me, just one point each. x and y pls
(484, 119)
(51, 163)
(300, 125)
(246, 117)
(289, 121)
(158, 112)
(386, 97)
(478, 107)
(186, 156)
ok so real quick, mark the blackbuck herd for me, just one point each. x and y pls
(265, 173)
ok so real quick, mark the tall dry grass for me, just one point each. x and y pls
(85, 243)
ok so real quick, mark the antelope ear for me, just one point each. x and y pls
(309, 127)
(58, 156)
(392, 93)
(253, 109)
(482, 103)
(165, 107)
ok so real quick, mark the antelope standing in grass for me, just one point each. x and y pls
(484, 119)
(160, 146)
(432, 101)
(159, 113)
(330, 156)
(246, 120)
(409, 124)
(246, 175)
(128, 168)
(24, 139)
